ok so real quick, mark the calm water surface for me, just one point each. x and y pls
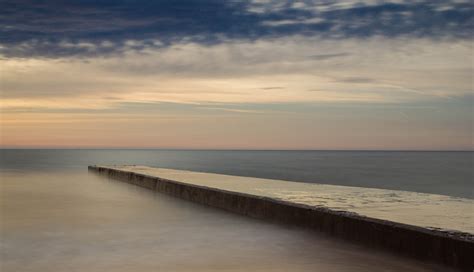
(75, 221)
(55, 216)
(445, 173)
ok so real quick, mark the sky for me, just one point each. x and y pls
(256, 74)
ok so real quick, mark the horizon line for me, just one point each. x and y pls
(230, 149)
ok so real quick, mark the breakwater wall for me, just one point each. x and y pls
(453, 249)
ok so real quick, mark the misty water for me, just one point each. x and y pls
(55, 216)
(77, 221)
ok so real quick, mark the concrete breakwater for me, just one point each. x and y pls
(451, 248)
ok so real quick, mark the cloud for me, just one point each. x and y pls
(293, 22)
(356, 80)
(272, 88)
(375, 70)
(233, 110)
(97, 28)
(328, 56)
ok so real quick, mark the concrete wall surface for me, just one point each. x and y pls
(455, 250)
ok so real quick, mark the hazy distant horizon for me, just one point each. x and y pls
(236, 149)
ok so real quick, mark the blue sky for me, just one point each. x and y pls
(237, 74)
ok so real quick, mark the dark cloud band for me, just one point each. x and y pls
(85, 28)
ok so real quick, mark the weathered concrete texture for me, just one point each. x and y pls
(421, 243)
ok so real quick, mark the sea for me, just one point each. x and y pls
(435, 172)
(55, 216)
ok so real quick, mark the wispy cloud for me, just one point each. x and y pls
(328, 56)
(272, 88)
(267, 71)
(356, 80)
(232, 110)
